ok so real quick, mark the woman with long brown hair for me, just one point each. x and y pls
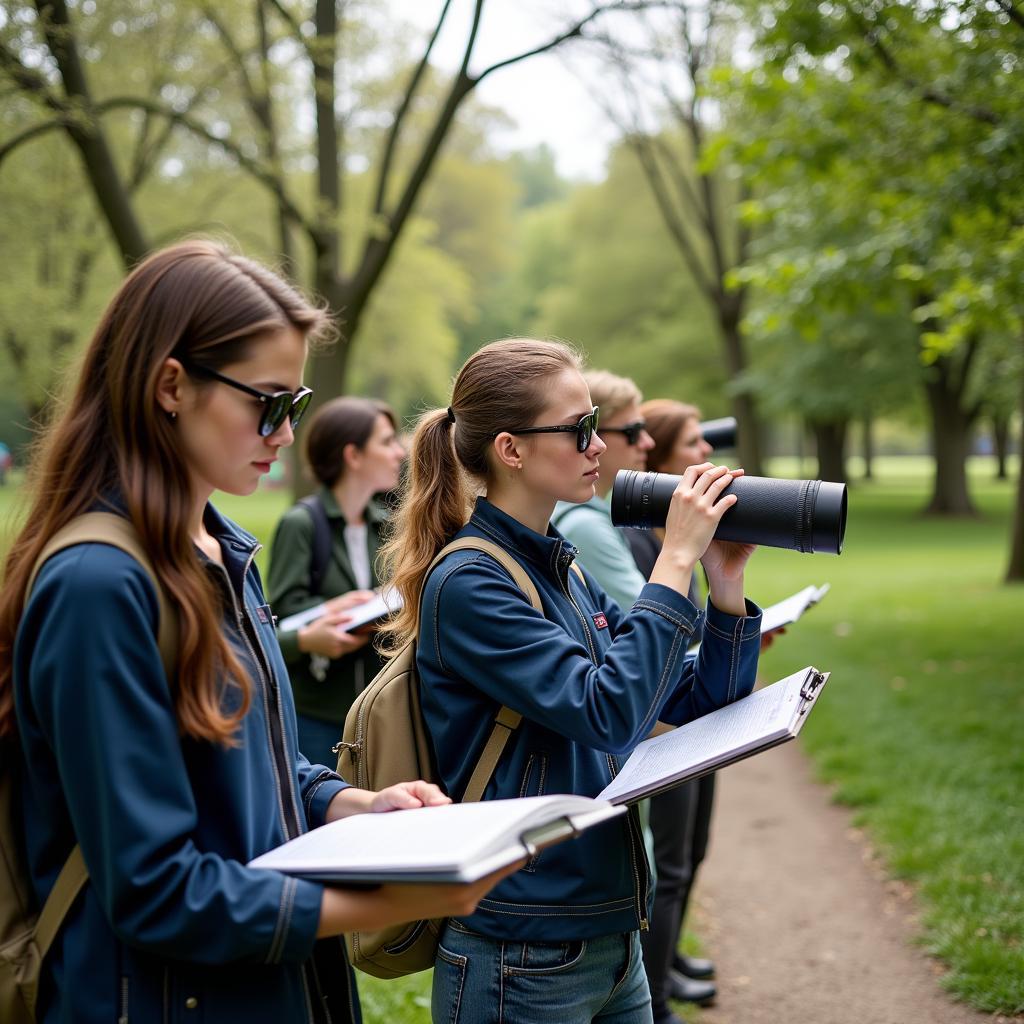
(168, 780)
(558, 940)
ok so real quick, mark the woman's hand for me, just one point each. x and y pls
(403, 796)
(696, 508)
(327, 636)
(724, 562)
(349, 600)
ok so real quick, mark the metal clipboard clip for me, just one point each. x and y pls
(809, 690)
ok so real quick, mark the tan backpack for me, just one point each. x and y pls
(385, 741)
(25, 934)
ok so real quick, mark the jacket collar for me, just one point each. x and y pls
(550, 551)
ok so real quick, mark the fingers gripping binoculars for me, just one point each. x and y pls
(799, 515)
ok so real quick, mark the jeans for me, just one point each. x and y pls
(478, 980)
(316, 738)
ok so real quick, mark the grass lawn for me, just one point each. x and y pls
(920, 729)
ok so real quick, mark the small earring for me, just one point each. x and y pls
(173, 416)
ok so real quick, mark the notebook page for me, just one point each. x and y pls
(765, 715)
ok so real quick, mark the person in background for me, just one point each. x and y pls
(679, 818)
(169, 781)
(559, 941)
(353, 453)
(602, 548)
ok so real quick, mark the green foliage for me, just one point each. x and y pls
(621, 294)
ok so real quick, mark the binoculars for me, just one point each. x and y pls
(720, 433)
(799, 515)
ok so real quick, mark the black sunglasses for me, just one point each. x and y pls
(277, 405)
(631, 431)
(584, 430)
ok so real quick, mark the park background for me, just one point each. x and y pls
(810, 216)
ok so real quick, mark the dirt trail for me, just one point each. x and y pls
(798, 916)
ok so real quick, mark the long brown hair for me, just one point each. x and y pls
(113, 443)
(665, 419)
(499, 386)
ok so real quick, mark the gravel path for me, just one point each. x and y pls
(802, 924)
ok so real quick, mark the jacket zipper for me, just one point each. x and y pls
(279, 755)
(123, 1018)
(641, 890)
(564, 567)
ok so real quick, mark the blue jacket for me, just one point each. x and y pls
(590, 683)
(171, 926)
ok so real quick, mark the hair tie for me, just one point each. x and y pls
(451, 414)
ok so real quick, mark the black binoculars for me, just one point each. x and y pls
(799, 515)
(720, 433)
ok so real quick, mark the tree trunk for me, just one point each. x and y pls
(1015, 570)
(1001, 443)
(87, 134)
(869, 448)
(950, 426)
(830, 438)
(748, 427)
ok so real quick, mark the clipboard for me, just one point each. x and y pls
(764, 719)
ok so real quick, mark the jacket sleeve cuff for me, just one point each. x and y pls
(320, 793)
(724, 625)
(289, 642)
(669, 604)
(298, 921)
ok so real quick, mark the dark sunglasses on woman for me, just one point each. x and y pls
(584, 430)
(277, 405)
(631, 431)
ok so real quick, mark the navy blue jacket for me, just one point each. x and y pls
(590, 683)
(171, 926)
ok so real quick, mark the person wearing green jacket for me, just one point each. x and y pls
(353, 452)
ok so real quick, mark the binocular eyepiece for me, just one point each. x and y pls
(799, 515)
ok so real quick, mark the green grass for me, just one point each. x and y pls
(921, 726)
(920, 729)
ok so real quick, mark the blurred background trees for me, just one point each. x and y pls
(812, 217)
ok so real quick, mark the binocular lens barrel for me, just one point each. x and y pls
(720, 433)
(799, 515)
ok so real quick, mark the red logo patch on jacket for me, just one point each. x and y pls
(600, 621)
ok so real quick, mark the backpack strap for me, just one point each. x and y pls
(118, 532)
(321, 554)
(506, 721)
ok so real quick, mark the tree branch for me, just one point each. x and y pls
(1007, 7)
(33, 132)
(396, 124)
(872, 36)
(262, 174)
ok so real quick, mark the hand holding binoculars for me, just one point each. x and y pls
(799, 515)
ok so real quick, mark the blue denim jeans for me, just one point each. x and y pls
(478, 980)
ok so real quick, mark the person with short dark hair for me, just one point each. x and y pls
(353, 453)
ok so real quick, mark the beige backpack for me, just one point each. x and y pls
(25, 934)
(385, 741)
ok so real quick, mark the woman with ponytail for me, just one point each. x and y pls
(558, 940)
(170, 773)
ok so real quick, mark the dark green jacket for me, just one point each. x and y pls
(288, 585)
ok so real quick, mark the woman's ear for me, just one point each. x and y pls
(507, 451)
(351, 456)
(170, 386)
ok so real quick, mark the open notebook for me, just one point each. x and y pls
(361, 616)
(759, 721)
(453, 843)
